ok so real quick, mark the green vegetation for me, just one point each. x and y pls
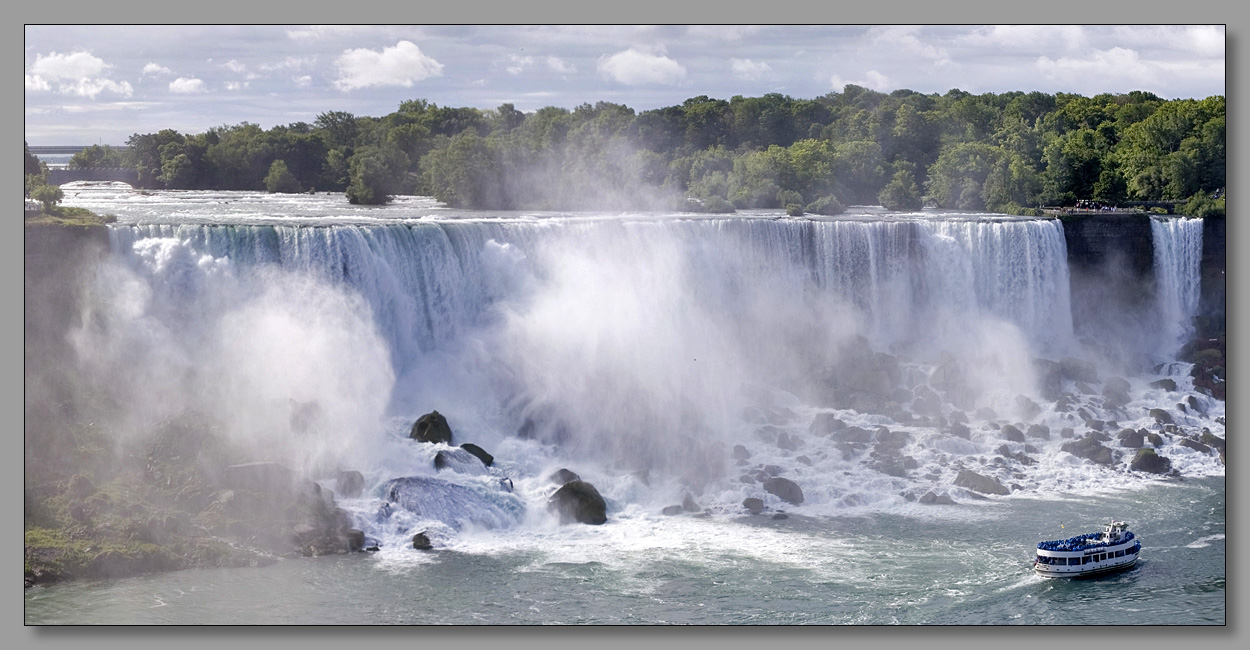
(1003, 152)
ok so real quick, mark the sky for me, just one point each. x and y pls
(100, 84)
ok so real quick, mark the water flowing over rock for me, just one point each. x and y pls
(980, 483)
(486, 458)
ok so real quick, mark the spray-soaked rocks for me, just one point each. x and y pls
(431, 427)
(784, 489)
(578, 502)
(1147, 460)
(475, 501)
(1089, 448)
(980, 483)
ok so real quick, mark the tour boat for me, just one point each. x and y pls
(1114, 549)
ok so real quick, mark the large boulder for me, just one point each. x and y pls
(350, 483)
(460, 461)
(1078, 370)
(579, 502)
(784, 489)
(1165, 383)
(825, 423)
(1115, 392)
(431, 427)
(1161, 416)
(1090, 449)
(753, 505)
(1012, 433)
(563, 476)
(1131, 438)
(979, 483)
(486, 458)
(1147, 460)
(852, 434)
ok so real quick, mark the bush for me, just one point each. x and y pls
(786, 197)
(48, 195)
(826, 205)
(280, 179)
(717, 205)
(1201, 205)
(794, 209)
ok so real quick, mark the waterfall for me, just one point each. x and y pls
(1177, 259)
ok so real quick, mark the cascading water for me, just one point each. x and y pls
(1177, 256)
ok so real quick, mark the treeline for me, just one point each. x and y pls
(1008, 152)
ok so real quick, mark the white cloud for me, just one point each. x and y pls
(874, 80)
(156, 69)
(92, 87)
(393, 66)
(1118, 64)
(183, 85)
(235, 66)
(632, 67)
(516, 64)
(237, 85)
(302, 81)
(289, 63)
(749, 70)
(35, 83)
(559, 65)
(903, 38)
(79, 65)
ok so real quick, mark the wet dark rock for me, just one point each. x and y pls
(853, 434)
(421, 541)
(1096, 425)
(781, 515)
(741, 452)
(486, 458)
(1115, 390)
(579, 502)
(1194, 444)
(892, 439)
(785, 441)
(746, 478)
(689, 505)
(1146, 460)
(1027, 408)
(825, 423)
(753, 505)
(431, 427)
(355, 539)
(773, 470)
(1195, 404)
(562, 476)
(350, 483)
(979, 483)
(1165, 383)
(1038, 431)
(1067, 432)
(1131, 439)
(1155, 439)
(959, 417)
(671, 510)
(1074, 369)
(1212, 440)
(1090, 449)
(805, 460)
(1010, 432)
(960, 430)
(458, 460)
(1162, 416)
(785, 489)
(1049, 378)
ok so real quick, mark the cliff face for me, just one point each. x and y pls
(59, 264)
(1211, 309)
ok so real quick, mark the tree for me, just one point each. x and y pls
(376, 174)
(901, 193)
(30, 163)
(280, 179)
(48, 195)
(97, 157)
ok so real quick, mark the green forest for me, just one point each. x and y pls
(1012, 152)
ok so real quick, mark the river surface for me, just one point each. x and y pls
(639, 350)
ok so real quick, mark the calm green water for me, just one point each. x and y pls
(967, 565)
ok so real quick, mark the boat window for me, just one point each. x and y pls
(1072, 561)
(1119, 553)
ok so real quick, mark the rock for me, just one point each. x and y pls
(421, 541)
(741, 453)
(979, 483)
(891, 439)
(1194, 444)
(929, 498)
(689, 505)
(1089, 449)
(959, 417)
(80, 487)
(853, 434)
(746, 478)
(824, 424)
(1067, 432)
(579, 501)
(431, 427)
(1013, 434)
(1049, 378)
(1115, 390)
(985, 413)
(753, 505)
(1162, 416)
(960, 430)
(1038, 431)
(350, 483)
(784, 441)
(458, 460)
(805, 460)
(1212, 440)
(486, 458)
(355, 539)
(785, 489)
(773, 470)
(1195, 404)
(1131, 439)
(1027, 408)
(562, 476)
(671, 510)
(1165, 383)
(1155, 439)
(781, 515)
(1075, 369)
(1146, 460)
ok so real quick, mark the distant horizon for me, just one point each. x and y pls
(100, 84)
